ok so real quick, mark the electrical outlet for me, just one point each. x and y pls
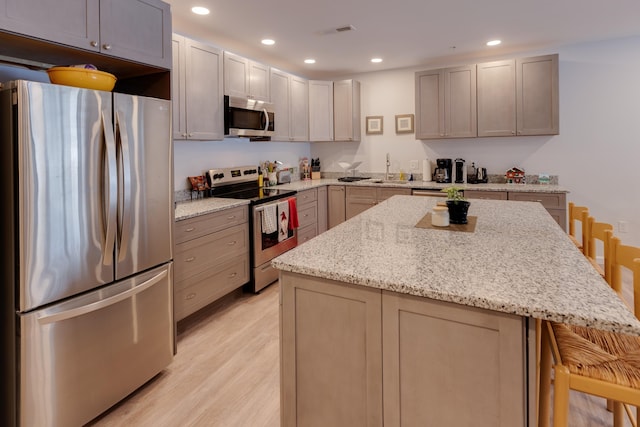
(414, 165)
(623, 227)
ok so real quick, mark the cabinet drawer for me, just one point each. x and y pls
(307, 233)
(308, 214)
(202, 289)
(369, 193)
(307, 196)
(487, 195)
(192, 228)
(385, 193)
(197, 255)
(548, 200)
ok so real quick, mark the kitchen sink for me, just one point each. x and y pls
(389, 181)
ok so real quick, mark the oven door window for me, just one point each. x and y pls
(270, 240)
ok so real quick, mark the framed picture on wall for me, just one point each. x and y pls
(374, 125)
(404, 123)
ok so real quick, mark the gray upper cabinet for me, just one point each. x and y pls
(497, 98)
(136, 30)
(290, 99)
(500, 98)
(446, 103)
(346, 110)
(197, 90)
(537, 95)
(518, 97)
(320, 110)
(244, 78)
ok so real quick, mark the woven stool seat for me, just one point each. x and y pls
(599, 354)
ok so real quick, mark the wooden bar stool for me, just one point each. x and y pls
(592, 361)
(578, 214)
(599, 234)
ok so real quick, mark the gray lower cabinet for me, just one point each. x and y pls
(487, 195)
(361, 198)
(359, 356)
(137, 30)
(554, 203)
(336, 209)
(307, 204)
(322, 209)
(211, 258)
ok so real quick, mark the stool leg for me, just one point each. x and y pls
(561, 396)
(544, 377)
(618, 414)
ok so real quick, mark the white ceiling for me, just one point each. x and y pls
(405, 33)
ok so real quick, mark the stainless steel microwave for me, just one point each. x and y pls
(248, 117)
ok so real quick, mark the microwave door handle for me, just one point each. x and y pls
(111, 192)
(266, 119)
(125, 225)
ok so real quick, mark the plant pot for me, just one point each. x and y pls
(458, 211)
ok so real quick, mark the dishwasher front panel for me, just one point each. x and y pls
(80, 357)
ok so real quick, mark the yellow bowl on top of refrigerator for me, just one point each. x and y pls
(82, 77)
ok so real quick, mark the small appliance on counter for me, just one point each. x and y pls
(476, 175)
(442, 174)
(460, 173)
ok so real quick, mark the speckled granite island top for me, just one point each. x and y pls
(517, 261)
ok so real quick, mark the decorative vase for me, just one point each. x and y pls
(458, 211)
(273, 178)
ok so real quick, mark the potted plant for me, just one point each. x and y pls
(457, 204)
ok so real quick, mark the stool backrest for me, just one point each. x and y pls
(628, 257)
(600, 232)
(579, 214)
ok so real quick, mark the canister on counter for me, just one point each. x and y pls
(440, 216)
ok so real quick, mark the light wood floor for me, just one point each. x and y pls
(226, 373)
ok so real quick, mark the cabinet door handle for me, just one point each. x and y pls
(190, 259)
(231, 217)
(94, 43)
(106, 46)
(232, 275)
(190, 229)
(231, 243)
(190, 296)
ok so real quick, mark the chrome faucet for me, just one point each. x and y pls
(386, 177)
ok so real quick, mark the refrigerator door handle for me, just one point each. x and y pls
(125, 225)
(111, 194)
(80, 311)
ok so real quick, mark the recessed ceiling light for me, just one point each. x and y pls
(198, 10)
(494, 42)
(376, 60)
(310, 61)
(268, 42)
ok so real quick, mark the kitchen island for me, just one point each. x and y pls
(383, 321)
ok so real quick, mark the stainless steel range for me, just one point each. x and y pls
(270, 236)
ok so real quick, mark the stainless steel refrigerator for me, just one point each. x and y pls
(86, 233)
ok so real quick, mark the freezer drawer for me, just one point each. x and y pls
(83, 355)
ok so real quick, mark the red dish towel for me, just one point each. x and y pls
(293, 213)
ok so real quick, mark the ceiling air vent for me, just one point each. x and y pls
(345, 28)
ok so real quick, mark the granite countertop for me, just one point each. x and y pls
(193, 208)
(518, 261)
(527, 188)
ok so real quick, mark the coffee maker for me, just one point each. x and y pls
(443, 171)
(460, 172)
